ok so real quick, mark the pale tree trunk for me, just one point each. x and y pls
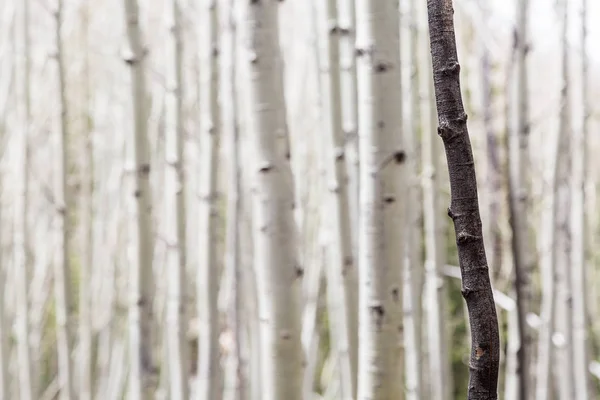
(438, 372)
(142, 374)
(209, 369)
(176, 314)
(86, 381)
(278, 273)
(413, 276)
(237, 385)
(382, 201)
(578, 251)
(27, 382)
(518, 188)
(62, 266)
(347, 30)
(564, 374)
(464, 209)
(341, 272)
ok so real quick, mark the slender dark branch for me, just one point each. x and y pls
(464, 209)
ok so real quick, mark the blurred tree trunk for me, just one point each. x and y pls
(176, 314)
(142, 375)
(65, 311)
(278, 273)
(85, 366)
(413, 267)
(382, 201)
(464, 209)
(578, 252)
(342, 285)
(209, 369)
(27, 381)
(564, 374)
(518, 199)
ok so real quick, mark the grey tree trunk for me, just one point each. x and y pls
(464, 208)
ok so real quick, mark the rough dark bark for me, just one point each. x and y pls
(464, 208)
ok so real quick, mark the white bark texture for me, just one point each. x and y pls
(62, 267)
(382, 201)
(279, 276)
(176, 317)
(142, 374)
(341, 272)
(209, 370)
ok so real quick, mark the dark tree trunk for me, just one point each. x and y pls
(464, 208)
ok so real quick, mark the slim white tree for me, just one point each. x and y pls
(62, 266)
(578, 228)
(142, 374)
(341, 272)
(27, 382)
(382, 200)
(278, 273)
(209, 370)
(176, 317)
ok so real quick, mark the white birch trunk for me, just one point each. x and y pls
(563, 337)
(279, 276)
(341, 272)
(237, 385)
(349, 104)
(413, 279)
(142, 374)
(578, 251)
(5, 330)
(382, 201)
(85, 365)
(62, 266)
(27, 382)
(209, 370)
(175, 216)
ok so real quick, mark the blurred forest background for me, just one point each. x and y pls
(128, 169)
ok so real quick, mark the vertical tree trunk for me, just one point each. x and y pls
(175, 212)
(563, 360)
(413, 276)
(578, 251)
(86, 381)
(62, 272)
(279, 275)
(341, 272)
(464, 209)
(5, 331)
(382, 201)
(209, 370)
(347, 31)
(142, 375)
(27, 382)
(237, 363)
(517, 179)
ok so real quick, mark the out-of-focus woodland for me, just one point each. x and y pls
(248, 200)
